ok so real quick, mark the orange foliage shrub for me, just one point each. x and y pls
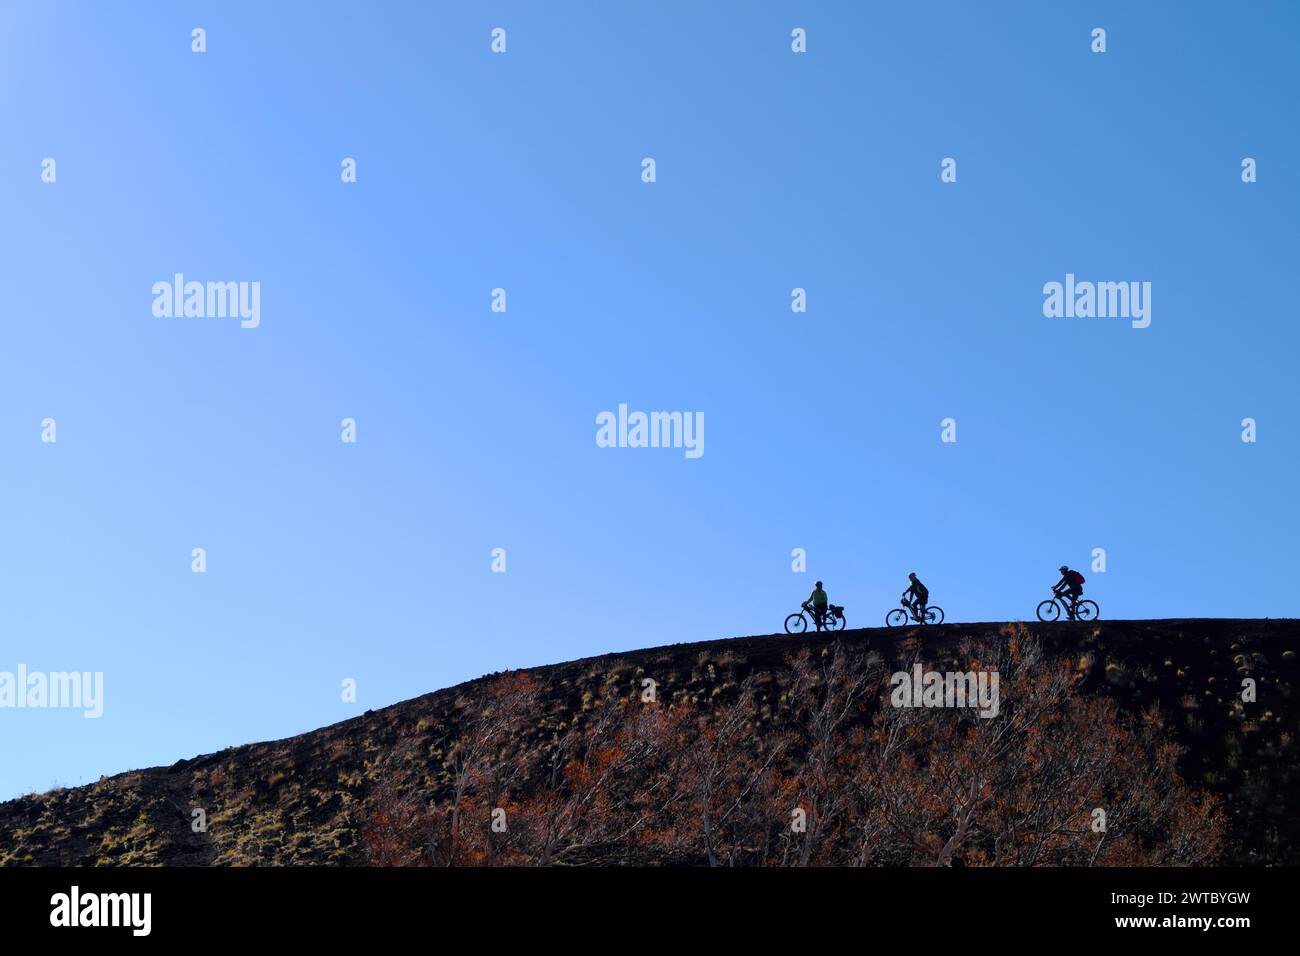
(835, 776)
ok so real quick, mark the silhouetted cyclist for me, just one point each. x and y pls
(818, 603)
(917, 596)
(1071, 584)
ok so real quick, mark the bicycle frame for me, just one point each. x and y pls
(832, 613)
(1067, 605)
(1070, 608)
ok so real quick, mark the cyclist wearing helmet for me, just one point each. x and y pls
(818, 602)
(1071, 584)
(916, 596)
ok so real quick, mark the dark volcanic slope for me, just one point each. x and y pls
(302, 800)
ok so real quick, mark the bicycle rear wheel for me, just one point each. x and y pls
(796, 624)
(1086, 611)
(933, 615)
(896, 618)
(1049, 610)
(834, 622)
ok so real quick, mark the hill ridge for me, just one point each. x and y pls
(303, 798)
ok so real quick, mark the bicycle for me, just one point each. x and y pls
(833, 620)
(899, 616)
(1050, 610)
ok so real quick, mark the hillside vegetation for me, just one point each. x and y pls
(754, 750)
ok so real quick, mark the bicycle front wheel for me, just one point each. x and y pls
(1086, 611)
(1049, 610)
(896, 618)
(933, 615)
(796, 624)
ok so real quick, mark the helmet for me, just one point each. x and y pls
(819, 584)
(1063, 569)
(912, 575)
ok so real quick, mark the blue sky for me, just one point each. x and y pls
(476, 430)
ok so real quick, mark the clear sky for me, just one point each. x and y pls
(476, 429)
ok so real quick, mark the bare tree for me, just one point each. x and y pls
(1056, 777)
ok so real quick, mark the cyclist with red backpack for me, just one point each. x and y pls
(1071, 583)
